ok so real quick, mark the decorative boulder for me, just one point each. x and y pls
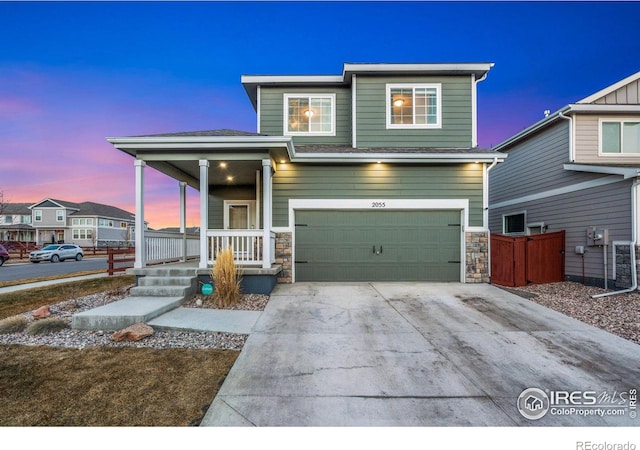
(42, 313)
(133, 333)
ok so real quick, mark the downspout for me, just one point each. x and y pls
(572, 156)
(486, 212)
(632, 246)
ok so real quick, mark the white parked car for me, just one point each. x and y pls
(56, 253)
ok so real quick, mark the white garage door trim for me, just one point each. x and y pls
(461, 205)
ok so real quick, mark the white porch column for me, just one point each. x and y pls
(183, 218)
(204, 211)
(140, 260)
(266, 211)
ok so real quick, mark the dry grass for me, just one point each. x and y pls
(48, 325)
(226, 279)
(45, 386)
(100, 386)
(19, 302)
(14, 324)
(49, 278)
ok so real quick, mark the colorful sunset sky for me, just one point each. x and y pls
(74, 73)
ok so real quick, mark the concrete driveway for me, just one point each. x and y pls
(423, 354)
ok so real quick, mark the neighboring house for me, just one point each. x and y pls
(372, 174)
(577, 170)
(87, 224)
(15, 223)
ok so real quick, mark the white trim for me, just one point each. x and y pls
(608, 90)
(354, 97)
(413, 86)
(419, 67)
(285, 111)
(474, 112)
(398, 157)
(616, 109)
(140, 254)
(558, 191)
(524, 223)
(204, 213)
(390, 204)
(265, 79)
(251, 213)
(621, 121)
(626, 172)
(258, 106)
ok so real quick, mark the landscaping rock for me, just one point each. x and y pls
(42, 313)
(135, 332)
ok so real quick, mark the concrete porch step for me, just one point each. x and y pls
(166, 272)
(121, 314)
(165, 281)
(161, 291)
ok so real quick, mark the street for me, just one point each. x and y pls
(10, 272)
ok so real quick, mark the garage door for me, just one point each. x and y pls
(340, 245)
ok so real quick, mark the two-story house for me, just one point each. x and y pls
(577, 170)
(87, 224)
(16, 223)
(371, 174)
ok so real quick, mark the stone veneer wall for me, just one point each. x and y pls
(477, 257)
(623, 266)
(283, 256)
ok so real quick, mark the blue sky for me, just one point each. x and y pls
(73, 73)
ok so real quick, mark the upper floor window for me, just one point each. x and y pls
(105, 223)
(414, 106)
(60, 215)
(309, 114)
(619, 136)
(26, 219)
(38, 215)
(8, 219)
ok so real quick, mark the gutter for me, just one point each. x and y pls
(632, 246)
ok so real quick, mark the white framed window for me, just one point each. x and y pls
(310, 114)
(59, 215)
(414, 105)
(81, 233)
(38, 215)
(514, 223)
(26, 219)
(619, 136)
(105, 223)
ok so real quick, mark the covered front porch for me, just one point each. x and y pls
(232, 174)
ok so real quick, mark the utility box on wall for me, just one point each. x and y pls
(597, 237)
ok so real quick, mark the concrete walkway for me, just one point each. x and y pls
(406, 354)
(37, 284)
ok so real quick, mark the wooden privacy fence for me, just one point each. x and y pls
(522, 260)
(120, 260)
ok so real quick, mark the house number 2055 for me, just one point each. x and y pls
(378, 204)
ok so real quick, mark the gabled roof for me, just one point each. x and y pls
(16, 209)
(251, 82)
(85, 209)
(590, 104)
(609, 89)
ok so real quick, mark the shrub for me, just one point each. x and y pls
(49, 325)
(226, 279)
(14, 324)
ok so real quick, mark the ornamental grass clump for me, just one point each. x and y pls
(49, 325)
(14, 324)
(226, 279)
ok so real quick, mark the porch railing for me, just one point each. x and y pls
(246, 244)
(163, 246)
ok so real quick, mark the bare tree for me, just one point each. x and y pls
(3, 203)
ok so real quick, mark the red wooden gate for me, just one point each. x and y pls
(522, 260)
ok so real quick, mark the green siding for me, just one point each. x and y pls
(272, 113)
(221, 193)
(377, 245)
(456, 131)
(300, 181)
